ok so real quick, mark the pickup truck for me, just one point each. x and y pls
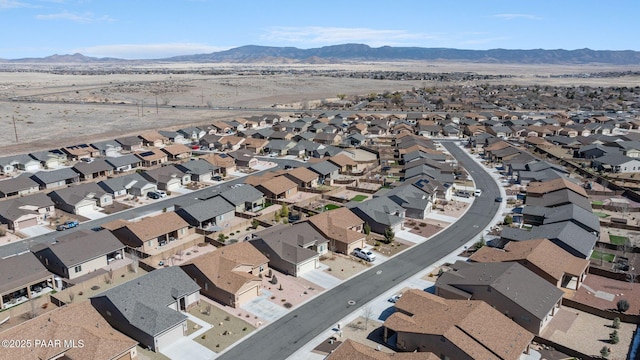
(364, 254)
(67, 225)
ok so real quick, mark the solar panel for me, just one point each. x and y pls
(146, 153)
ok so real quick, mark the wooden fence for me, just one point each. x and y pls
(607, 314)
(569, 351)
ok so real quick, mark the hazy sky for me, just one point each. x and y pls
(161, 28)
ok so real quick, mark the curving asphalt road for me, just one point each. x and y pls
(283, 337)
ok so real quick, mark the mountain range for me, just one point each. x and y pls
(360, 52)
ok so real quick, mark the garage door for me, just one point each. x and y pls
(169, 337)
(247, 296)
(84, 209)
(26, 223)
(173, 186)
(308, 266)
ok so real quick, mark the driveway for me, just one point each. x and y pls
(185, 348)
(321, 278)
(411, 237)
(92, 214)
(263, 308)
(35, 230)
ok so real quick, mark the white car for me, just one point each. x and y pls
(161, 193)
(394, 298)
(478, 192)
(364, 254)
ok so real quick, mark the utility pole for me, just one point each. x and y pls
(142, 108)
(156, 104)
(15, 129)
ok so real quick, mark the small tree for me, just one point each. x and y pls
(367, 311)
(284, 211)
(616, 323)
(605, 351)
(480, 243)
(614, 338)
(221, 237)
(508, 220)
(72, 296)
(276, 216)
(389, 235)
(367, 228)
(274, 280)
(254, 224)
(622, 305)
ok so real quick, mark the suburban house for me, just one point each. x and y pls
(153, 138)
(199, 169)
(167, 178)
(109, 148)
(229, 143)
(454, 329)
(81, 151)
(541, 256)
(567, 235)
(152, 234)
(279, 188)
(49, 159)
(350, 349)
(244, 198)
(617, 163)
(124, 163)
(204, 214)
(380, 213)
(22, 162)
(177, 152)
(254, 145)
(81, 199)
(344, 163)
(303, 177)
(22, 278)
(174, 137)
(509, 287)
(326, 171)
(149, 308)
(342, 227)
(244, 158)
(55, 178)
(291, 249)
(26, 211)
(79, 253)
(152, 157)
(86, 334)
(192, 133)
(416, 200)
(224, 162)
(20, 185)
(98, 168)
(229, 275)
(538, 215)
(130, 184)
(130, 143)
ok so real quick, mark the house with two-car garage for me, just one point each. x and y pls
(149, 308)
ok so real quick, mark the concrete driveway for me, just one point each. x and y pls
(92, 214)
(263, 308)
(411, 237)
(35, 230)
(321, 278)
(185, 348)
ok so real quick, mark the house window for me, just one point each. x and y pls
(78, 268)
(206, 286)
(149, 243)
(183, 231)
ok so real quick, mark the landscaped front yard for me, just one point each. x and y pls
(226, 329)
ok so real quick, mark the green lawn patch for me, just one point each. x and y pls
(617, 240)
(600, 214)
(597, 202)
(359, 198)
(328, 207)
(602, 256)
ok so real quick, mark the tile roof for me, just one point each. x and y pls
(353, 350)
(336, 224)
(220, 266)
(288, 240)
(567, 235)
(303, 174)
(474, 327)
(541, 253)
(77, 321)
(545, 187)
(278, 185)
(153, 226)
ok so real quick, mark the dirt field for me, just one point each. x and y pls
(69, 109)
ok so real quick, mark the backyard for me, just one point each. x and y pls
(599, 255)
(618, 240)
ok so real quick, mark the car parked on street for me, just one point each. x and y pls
(499, 199)
(67, 225)
(364, 254)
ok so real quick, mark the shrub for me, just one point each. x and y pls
(614, 338)
(367, 228)
(95, 287)
(274, 280)
(605, 351)
(422, 225)
(622, 305)
(616, 323)
(244, 328)
(287, 305)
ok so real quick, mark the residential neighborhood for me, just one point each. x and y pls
(193, 240)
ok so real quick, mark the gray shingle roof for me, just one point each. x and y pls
(144, 301)
(124, 160)
(80, 246)
(49, 177)
(567, 235)
(324, 167)
(242, 194)
(205, 210)
(197, 167)
(381, 210)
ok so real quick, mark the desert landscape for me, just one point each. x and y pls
(54, 105)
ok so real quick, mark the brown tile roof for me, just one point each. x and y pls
(545, 187)
(115, 224)
(541, 253)
(336, 224)
(353, 350)
(176, 149)
(278, 185)
(255, 142)
(342, 160)
(151, 154)
(303, 174)
(21, 270)
(217, 160)
(498, 145)
(151, 136)
(221, 266)
(78, 322)
(536, 140)
(151, 227)
(256, 180)
(473, 326)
